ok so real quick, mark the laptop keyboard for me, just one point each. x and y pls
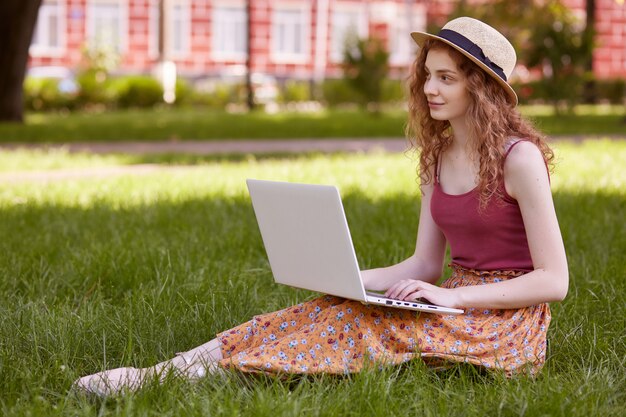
(381, 295)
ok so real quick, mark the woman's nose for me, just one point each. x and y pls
(430, 87)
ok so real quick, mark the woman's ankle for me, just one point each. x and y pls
(191, 367)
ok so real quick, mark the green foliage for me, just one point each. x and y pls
(365, 65)
(612, 91)
(200, 123)
(139, 91)
(219, 96)
(559, 44)
(184, 92)
(95, 89)
(393, 91)
(548, 37)
(605, 91)
(98, 90)
(119, 92)
(100, 57)
(339, 91)
(514, 19)
(94, 82)
(295, 91)
(44, 95)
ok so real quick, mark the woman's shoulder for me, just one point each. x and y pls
(524, 167)
(523, 155)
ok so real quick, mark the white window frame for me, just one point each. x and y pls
(220, 13)
(122, 34)
(338, 34)
(304, 56)
(153, 29)
(40, 44)
(185, 34)
(402, 48)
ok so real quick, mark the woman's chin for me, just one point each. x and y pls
(435, 115)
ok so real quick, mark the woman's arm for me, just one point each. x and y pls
(527, 181)
(425, 264)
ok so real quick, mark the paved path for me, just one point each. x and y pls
(232, 146)
(212, 147)
(189, 147)
(203, 148)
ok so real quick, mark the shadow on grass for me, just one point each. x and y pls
(122, 246)
(199, 124)
(145, 282)
(198, 159)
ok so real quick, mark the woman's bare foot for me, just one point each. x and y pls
(191, 365)
(111, 382)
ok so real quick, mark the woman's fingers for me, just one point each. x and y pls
(406, 293)
(395, 289)
(411, 290)
(405, 289)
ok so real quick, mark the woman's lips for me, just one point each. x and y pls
(433, 105)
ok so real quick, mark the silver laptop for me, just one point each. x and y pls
(308, 243)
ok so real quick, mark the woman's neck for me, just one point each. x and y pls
(460, 135)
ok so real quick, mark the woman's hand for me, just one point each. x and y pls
(411, 290)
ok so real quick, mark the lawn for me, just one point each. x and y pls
(128, 270)
(198, 124)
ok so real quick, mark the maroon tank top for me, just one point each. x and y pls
(489, 239)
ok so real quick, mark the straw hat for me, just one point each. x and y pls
(482, 44)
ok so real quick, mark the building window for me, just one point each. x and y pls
(153, 27)
(107, 25)
(346, 23)
(178, 22)
(179, 18)
(230, 33)
(49, 33)
(291, 34)
(401, 47)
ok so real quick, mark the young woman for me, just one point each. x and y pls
(485, 193)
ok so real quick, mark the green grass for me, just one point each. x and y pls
(196, 124)
(129, 270)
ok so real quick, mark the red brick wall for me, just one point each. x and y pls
(610, 54)
(609, 57)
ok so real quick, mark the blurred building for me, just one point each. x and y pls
(300, 39)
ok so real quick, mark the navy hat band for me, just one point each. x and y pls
(471, 48)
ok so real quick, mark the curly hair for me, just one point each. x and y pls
(492, 120)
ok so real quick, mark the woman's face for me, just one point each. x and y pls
(445, 87)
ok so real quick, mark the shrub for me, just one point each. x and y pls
(393, 91)
(531, 92)
(44, 94)
(366, 63)
(613, 91)
(184, 93)
(294, 91)
(94, 89)
(140, 91)
(339, 91)
(218, 96)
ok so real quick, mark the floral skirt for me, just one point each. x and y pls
(334, 335)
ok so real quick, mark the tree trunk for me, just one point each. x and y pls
(17, 18)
